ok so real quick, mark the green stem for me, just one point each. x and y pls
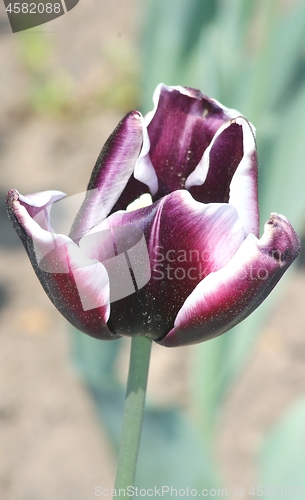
(133, 413)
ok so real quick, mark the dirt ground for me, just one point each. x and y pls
(52, 446)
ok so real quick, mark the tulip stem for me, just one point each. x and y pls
(133, 413)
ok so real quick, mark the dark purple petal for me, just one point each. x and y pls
(227, 172)
(77, 286)
(186, 241)
(218, 166)
(180, 128)
(225, 298)
(110, 176)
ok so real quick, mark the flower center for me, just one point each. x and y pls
(144, 201)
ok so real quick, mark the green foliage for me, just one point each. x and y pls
(47, 91)
(53, 91)
(170, 453)
(282, 460)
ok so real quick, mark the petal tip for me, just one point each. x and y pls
(11, 197)
(280, 233)
(134, 114)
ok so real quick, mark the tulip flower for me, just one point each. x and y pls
(166, 243)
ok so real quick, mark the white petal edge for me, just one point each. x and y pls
(199, 175)
(202, 309)
(41, 199)
(243, 188)
(44, 201)
(144, 170)
(225, 297)
(91, 277)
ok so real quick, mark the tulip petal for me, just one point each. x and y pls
(123, 252)
(110, 176)
(225, 298)
(244, 185)
(211, 179)
(227, 172)
(38, 205)
(186, 241)
(77, 286)
(180, 127)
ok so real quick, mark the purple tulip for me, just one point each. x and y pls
(186, 267)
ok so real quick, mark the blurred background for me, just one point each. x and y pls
(223, 414)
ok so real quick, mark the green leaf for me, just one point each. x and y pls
(284, 176)
(286, 48)
(282, 458)
(95, 360)
(218, 362)
(171, 454)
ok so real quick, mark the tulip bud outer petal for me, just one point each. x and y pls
(226, 297)
(76, 285)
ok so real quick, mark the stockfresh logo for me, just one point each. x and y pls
(121, 250)
(25, 15)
